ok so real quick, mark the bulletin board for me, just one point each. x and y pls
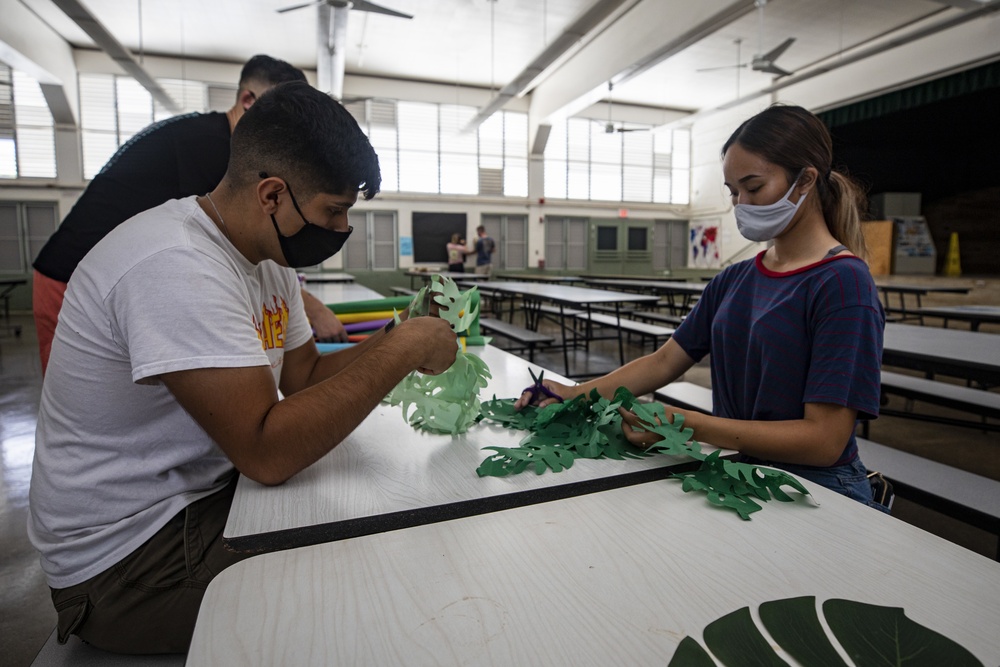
(432, 232)
(878, 237)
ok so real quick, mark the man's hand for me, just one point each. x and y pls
(435, 341)
(327, 328)
(325, 325)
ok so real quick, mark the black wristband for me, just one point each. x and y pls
(389, 325)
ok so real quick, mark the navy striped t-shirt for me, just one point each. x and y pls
(781, 340)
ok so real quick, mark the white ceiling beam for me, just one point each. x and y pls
(570, 37)
(647, 34)
(111, 46)
(331, 56)
(650, 32)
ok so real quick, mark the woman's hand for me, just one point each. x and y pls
(532, 396)
(633, 428)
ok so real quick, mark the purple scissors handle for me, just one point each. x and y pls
(538, 388)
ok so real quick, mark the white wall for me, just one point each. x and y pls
(963, 46)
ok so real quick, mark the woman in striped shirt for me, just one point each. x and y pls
(794, 334)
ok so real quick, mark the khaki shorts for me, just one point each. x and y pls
(149, 601)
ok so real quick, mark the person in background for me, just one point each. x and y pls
(795, 335)
(457, 251)
(485, 246)
(177, 333)
(173, 158)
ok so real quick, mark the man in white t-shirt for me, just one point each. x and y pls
(177, 332)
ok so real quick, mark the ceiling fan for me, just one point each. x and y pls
(360, 5)
(610, 127)
(762, 62)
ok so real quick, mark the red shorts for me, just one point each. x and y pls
(46, 302)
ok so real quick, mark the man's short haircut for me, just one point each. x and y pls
(305, 137)
(265, 71)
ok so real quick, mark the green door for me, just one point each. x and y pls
(621, 247)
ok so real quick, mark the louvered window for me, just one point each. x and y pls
(114, 108)
(584, 161)
(221, 98)
(27, 134)
(423, 148)
(372, 245)
(565, 243)
(24, 229)
(511, 234)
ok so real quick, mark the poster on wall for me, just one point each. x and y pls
(703, 247)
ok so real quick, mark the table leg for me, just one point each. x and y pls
(621, 343)
(565, 342)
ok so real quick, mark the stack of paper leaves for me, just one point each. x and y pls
(590, 427)
(449, 402)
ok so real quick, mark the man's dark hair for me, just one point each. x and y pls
(266, 71)
(307, 138)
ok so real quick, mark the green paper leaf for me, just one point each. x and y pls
(590, 427)
(445, 403)
(501, 410)
(689, 653)
(735, 640)
(871, 635)
(458, 307)
(874, 635)
(794, 624)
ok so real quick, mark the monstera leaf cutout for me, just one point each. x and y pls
(448, 402)
(869, 634)
(445, 403)
(457, 308)
(590, 427)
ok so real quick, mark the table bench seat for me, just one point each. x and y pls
(527, 338)
(686, 395)
(967, 399)
(654, 316)
(647, 331)
(962, 495)
(554, 310)
(403, 291)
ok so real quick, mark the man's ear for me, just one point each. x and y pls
(246, 99)
(268, 190)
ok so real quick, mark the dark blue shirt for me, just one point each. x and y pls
(781, 340)
(484, 250)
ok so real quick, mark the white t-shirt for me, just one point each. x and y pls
(116, 456)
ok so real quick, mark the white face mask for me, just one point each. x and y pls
(763, 223)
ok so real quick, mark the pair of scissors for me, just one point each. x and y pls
(538, 388)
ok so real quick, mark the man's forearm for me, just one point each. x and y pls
(297, 438)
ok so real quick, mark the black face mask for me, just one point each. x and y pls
(310, 245)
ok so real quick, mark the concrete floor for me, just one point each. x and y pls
(26, 614)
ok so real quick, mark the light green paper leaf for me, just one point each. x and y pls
(445, 403)
(457, 309)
